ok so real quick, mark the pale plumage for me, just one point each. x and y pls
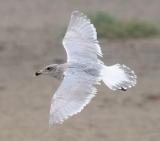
(82, 71)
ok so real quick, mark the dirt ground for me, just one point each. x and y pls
(30, 37)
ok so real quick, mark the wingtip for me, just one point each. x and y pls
(78, 13)
(75, 12)
(53, 123)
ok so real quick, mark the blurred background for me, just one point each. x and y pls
(31, 33)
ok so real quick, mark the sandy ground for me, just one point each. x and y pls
(30, 37)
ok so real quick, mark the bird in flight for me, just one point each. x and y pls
(82, 71)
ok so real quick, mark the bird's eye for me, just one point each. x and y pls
(49, 68)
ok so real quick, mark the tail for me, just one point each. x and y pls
(118, 77)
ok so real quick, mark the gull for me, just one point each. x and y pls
(82, 71)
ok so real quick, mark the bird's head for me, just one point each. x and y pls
(48, 70)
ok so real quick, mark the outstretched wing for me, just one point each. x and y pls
(80, 41)
(74, 93)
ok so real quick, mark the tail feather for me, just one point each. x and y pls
(118, 77)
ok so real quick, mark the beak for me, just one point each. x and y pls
(38, 73)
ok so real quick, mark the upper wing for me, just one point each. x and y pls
(74, 93)
(80, 41)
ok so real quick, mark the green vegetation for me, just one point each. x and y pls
(110, 27)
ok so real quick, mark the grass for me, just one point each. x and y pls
(109, 27)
